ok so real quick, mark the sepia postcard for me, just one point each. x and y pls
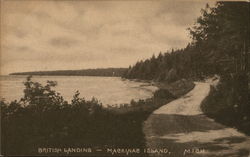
(125, 78)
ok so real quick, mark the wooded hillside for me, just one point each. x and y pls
(220, 42)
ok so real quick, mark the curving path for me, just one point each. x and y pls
(182, 128)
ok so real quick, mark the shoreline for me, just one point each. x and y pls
(80, 119)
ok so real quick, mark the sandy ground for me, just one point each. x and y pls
(182, 128)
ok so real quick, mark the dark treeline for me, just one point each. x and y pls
(220, 45)
(170, 66)
(85, 72)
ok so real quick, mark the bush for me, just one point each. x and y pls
(42, 118)
(163, 93)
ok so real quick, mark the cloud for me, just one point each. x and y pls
(50, 35)
(62, 42)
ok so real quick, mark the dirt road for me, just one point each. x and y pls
(182, 128)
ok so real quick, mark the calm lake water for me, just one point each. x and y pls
(108, 90)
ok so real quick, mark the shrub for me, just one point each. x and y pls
(163, 93)
(42, 118)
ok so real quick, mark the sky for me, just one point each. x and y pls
(39, 35)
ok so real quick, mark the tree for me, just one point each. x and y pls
(224, 30)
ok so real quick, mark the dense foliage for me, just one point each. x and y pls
(43, 119)
(226, 104)
(85, 72)
(220, 45)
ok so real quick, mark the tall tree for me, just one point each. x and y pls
(224, 30)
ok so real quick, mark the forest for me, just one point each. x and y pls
(220, 45)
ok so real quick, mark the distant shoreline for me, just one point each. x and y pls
(105, 72)
(57, 75)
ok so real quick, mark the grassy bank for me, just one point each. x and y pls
(228, 103)
(42, 119)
